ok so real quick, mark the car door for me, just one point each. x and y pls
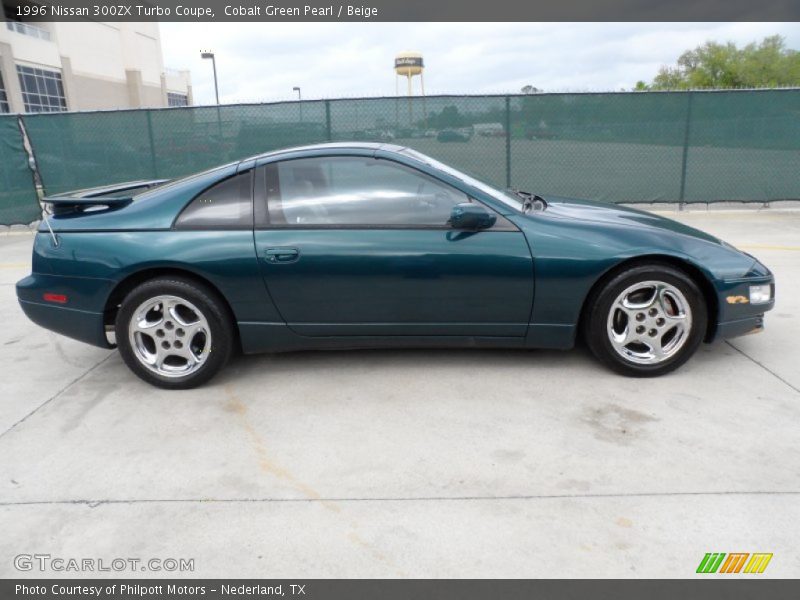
(356, 245)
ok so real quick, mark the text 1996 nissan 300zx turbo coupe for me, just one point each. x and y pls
(375, 245)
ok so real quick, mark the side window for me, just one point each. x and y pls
(357, 191)
(226, 205)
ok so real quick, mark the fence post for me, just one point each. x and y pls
(684, 158)
(508, 141)
(33, 164)
(328, 120)
(152, 145)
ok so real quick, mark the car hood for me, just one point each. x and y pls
(623, 232)
(614, 214)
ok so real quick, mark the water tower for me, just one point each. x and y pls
(409, 64)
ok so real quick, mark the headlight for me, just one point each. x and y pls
(760, 294)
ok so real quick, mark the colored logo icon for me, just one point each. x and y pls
(734, 562)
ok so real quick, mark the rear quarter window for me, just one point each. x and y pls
(225, 205)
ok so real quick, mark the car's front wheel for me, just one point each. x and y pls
(646, 321)
(173, 332)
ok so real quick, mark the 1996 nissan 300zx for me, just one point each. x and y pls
(367, 245)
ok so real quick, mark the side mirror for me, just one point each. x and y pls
(470, 215)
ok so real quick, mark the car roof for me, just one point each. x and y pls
(374, 146)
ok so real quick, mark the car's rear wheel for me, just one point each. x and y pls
(173, 332)
(646, 321)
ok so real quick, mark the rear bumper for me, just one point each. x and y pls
(78, 323)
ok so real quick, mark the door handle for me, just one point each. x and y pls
(281, 255)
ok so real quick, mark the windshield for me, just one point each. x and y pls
(506, 198)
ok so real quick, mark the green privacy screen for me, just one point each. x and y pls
(18, 200)
(616, 147)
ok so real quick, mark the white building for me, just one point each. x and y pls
(88, 65)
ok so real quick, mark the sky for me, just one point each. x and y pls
(260, 62)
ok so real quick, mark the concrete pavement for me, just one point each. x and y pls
(410, 463)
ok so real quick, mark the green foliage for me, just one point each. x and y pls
(714, 65)
(449, 117)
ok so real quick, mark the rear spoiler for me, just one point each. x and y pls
(109, 196)
(60, 205)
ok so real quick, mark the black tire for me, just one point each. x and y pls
(597, 313)
(217, 349)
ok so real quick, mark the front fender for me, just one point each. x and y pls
(572, 255)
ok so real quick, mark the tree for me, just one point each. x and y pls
(529, 89)
(449, 117)
(714, 65)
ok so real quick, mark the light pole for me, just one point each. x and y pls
(300, 100)
(214, 65)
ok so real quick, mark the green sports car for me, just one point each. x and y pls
(356, 245)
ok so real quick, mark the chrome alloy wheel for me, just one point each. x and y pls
(169, 336)
(649, 322)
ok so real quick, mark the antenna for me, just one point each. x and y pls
(47, 222)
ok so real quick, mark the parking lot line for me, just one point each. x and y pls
(54, 396)
(770, 247)
(94, 502)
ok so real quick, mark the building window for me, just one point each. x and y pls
(42, 90)
(174, 99)
(28, 29)
(3, 97)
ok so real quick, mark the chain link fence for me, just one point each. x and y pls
(18, 198)
(701, 146)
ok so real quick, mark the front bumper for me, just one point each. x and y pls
(730, 329)
(736, 316)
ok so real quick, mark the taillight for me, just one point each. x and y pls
(58, 298)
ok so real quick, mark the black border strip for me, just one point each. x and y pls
(406, 10)
(707, 587)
